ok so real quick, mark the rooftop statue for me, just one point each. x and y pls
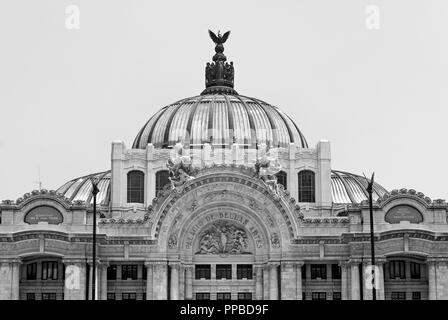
(180, 167)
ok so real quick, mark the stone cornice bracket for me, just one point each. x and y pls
(344, 263)
(9, 261)
(156, 263)
(74, 261)
(437, 260)
(174, 264)
(378, 260)
(354, 261)
(275, 263)
(99, 262)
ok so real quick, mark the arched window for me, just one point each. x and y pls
(136, 187)
(306, 186)
(282, 178)
(162, 179)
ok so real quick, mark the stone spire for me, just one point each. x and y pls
(219, 74)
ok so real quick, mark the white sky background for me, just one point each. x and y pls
(380, 96)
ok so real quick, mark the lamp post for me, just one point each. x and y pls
(372, 241)
(95, 191)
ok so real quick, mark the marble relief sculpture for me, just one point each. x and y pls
(223, 238)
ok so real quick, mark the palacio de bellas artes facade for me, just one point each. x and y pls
(220, 197)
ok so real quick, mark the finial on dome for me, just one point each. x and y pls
(219, 74)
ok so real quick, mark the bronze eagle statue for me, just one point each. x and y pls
(219, 39)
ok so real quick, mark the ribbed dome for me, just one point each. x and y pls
(81, 188)
(219, 119)
(351, 188)
(346, 188)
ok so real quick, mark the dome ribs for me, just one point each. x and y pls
(190, 119)
(230, 121)
(253, 135)
(271, 121)
(166, 134)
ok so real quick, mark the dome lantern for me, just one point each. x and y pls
(219, 74)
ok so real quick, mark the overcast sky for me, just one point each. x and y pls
(379, 95)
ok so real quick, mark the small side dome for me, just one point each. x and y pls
(349, 188)
(81, 188)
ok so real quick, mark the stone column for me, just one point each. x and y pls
(366, 291)
(380, 288)
(174, 285)
(258, 282)
(379, 280)
(288, 281)
(9, 279)
(97, 279)
(75, 279)
(102, 280)
(299, 290)
(442, 279)
(273, 285)
(344, 279)
(160, 280)
(432, 284)
(189, 282)
(355, 288)
(181, 282)
(149, 280)
(266, 282)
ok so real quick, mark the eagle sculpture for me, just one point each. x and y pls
(219, 39)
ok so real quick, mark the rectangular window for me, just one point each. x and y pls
(136, 187)
(144, 296)
(304, 272)
(223, 296)
(129, 296)
(244, 295)
(318, 296)
(31, 271)
(416, 295)
(223, 271)
(244, 271)
(129, 272)
(415, 270)
(337, 296)
(202, 271)
(398, 295)
(49, 270)
(306, 186)
(49, 296)
(112, 272)
(30, 296)
(202, 296)
(111, 296)
(397, 270)
(318, 271)
(335, 271)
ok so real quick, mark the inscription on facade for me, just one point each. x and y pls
(403, 213)
(44, 214)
